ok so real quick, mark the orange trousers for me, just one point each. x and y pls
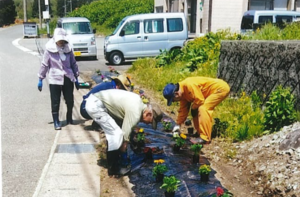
(203, 121)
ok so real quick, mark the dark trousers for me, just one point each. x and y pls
(55, 93)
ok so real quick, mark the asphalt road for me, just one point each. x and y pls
(27, 131)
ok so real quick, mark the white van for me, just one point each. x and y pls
(81, 35)
(254, 19)
(143, 35)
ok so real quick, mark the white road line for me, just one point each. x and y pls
(16, 44)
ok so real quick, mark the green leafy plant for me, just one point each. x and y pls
(166, 124)
(222, 193)
(196, 148)
(219, 128)
(170, 184)
(280, 109)
(159, 168)
(179, 139)
(204, 169)
(141, 135)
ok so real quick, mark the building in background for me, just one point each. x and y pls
(204, 16)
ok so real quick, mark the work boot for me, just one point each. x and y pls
(199, 141)
(112, 162)
(69, 117)
(56, 121)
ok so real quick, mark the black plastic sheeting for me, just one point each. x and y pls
(179, 164)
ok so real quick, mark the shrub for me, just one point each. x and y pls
(170, 184)
(280, 109)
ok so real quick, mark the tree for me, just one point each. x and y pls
(7, 12)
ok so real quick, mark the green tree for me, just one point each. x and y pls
(7, 12)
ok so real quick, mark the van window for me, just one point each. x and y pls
(265, 19)
(247, 22)
(153, 26)
(132, 27)
(174, 24)
(78, 28)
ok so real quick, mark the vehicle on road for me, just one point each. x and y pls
(144, 35)
(253, 19)
(81, 35)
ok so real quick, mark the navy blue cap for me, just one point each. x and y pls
(169, 92)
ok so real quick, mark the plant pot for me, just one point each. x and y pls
(190, 130)
(176, 148)
(169, 194)
(196, 158)
(159, 178)
(204, 177)
(148, 154)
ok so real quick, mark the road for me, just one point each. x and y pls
(27, 131)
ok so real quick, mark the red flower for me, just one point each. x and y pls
(220, 191)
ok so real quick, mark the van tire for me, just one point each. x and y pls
(116, 58)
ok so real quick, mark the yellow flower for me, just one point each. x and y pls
(183, 136)
(159, 161)
(141, 130)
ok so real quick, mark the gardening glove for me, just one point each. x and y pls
(40, 85)
(188, 122)
(77, 84)
(194, 112)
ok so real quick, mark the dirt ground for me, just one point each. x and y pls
(253, 168)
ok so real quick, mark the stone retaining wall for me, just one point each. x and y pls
(261, 66)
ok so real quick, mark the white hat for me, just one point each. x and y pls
(60, 34)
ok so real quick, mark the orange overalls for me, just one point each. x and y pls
(204, 94)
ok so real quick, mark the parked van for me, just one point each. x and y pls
(254, 19)
(81, 35)
(143, 35)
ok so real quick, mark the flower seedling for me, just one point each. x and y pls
(204, 169)
(159, 168)
(167, 124)
(170, 184)
(222, 193)
(196, 148)
(141, 135)
(179, 140)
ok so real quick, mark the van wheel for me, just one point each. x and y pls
(116, 58)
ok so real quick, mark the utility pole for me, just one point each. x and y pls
(25, 10)
(65, 6)
(40, 14)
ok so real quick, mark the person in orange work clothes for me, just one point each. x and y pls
(200, 95)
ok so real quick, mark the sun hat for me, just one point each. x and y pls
(168, 93)
(157, 115)
(124, 80)
(60, 34)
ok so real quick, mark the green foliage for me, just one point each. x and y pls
(280, 109)
(219, 128)
(166, 57)
(196, 148)
(170, 184)
(204, 169)
(166, 124)
(7, 12)
(244, 120)
(159, 169)
(141, 137)
(179, 140)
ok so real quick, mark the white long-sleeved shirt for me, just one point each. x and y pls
(124, 106)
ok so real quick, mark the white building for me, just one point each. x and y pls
(210, 15)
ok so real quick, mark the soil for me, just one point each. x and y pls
(252, 168)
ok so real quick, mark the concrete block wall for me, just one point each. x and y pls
(260, 66)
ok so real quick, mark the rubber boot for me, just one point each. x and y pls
(112, 162)
(124, 164)
(69, 117)
(56, 121)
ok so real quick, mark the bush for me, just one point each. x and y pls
(280, 109)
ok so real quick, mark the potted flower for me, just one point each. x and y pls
(141, 137)
(137, 140)
(170, 184)
(204, 171)
(222, 193)
(196, 148)
(179, 141)
(159, 170)
(166, 124)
